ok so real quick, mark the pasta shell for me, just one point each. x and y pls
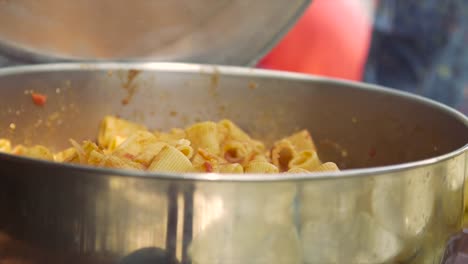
(84, 150)
(19, 150)
(232, 131)
(148, 153)
(298, 170)
(115, 142)
(95, 158)
(260, 157)
(68, 155)
(231, 168)
(327, 166)
(260, 167)
(111, 127)
(169, 159)
(5, 145)
(174, 135)
(203, 158)
(257, 146)
(38, 152)
(141, 147)
(186, 150)
(302, 141)
(204, 135)
(112, 161)
(235, 151)
(307, 160)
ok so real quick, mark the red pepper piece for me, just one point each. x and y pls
(39, 99)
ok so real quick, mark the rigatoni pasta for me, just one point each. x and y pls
(170, 159)
(39, 152)
(204, 135)
(112, 127)
(5, 145)
(221, 147)
(260, 167)
(307, 159)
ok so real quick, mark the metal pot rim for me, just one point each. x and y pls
(230, 71)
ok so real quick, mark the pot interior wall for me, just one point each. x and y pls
(353, 126)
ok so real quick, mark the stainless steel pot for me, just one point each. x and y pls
(399, 200)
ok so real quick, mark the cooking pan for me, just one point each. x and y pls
(398, 199)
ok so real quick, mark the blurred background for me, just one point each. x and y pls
(411, 45)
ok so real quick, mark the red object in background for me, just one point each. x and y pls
(331, 39)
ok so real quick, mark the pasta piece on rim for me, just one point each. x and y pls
(112, 126)
(298, 170)
(112, 161)
(5, 145)
(327, 166)
(307, 160)
(260, 167)
(68, 155)
(84, 150)
(37, 152)
(169, 159)
(231, 168)
(204, 161)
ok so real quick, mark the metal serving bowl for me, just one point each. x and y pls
(398, 201)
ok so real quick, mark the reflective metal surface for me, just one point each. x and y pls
(203, 31)
(400, 213)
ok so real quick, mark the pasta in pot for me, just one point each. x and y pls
(221, 147)
(5, 145)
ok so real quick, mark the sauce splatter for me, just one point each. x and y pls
(130, 86)
(208, 166)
